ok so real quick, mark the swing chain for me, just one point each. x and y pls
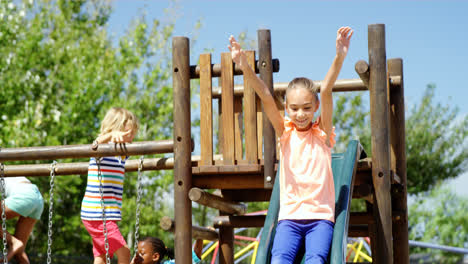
(4, 231)
(137, 213)
(104, 227)
(51, 207)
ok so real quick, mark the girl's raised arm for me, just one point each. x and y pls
(342, 44)
(269, 104)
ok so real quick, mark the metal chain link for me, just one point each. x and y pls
(4, 231)
(51, 207)
(137, 213)
(104, 227)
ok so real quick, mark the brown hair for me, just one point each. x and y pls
(302, 82)
(117, 118)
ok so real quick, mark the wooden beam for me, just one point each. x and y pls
(342, 85)
(228, 169)
(87, 150)
(229, 181)
(239, 221)
(362, 69)
(358, 231)
(167, 224)
(364, 218)
(216, 69)
(182, 150)
(214, 201)
(249, 195)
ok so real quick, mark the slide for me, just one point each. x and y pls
(344, 168)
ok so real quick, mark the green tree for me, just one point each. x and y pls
(60, 71)
(439, 217)
(435, 137)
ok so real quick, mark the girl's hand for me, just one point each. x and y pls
(120, 136)
(136, 259)
(343, 37)
(236, 52)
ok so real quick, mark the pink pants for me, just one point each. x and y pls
(114, 237)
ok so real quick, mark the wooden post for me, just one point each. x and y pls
(398, 161)
(182, 150)
(226, 245)
(380, 144)
(226, 239)
(266, 74)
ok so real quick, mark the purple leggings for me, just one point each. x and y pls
(296, 236)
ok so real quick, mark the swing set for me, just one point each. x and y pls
(74, 151)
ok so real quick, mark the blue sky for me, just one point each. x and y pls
(430, 36)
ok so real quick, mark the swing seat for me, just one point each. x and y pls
(344, 167)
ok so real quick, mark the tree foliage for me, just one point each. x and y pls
(435, 137)
(60, 71)
(436, 146)
(439, 217)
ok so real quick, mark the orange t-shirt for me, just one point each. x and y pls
(307, 190)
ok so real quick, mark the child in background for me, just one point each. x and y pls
(22, 200)
(118, 126)
(307, 194)
(151, 250)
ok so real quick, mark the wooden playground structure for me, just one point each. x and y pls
(246, 142)
(245, 166)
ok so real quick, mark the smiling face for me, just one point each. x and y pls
(301, 105)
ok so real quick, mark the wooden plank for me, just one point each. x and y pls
(398, 161)
(182, 149)
(250, 195)
(228, 169)
(380, 144)
(228, 181)
(206, 111)
(250, 115)
(227, 99)
(238, 129)
(266, 74)
(239, 221)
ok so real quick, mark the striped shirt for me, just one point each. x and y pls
(112, 171)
